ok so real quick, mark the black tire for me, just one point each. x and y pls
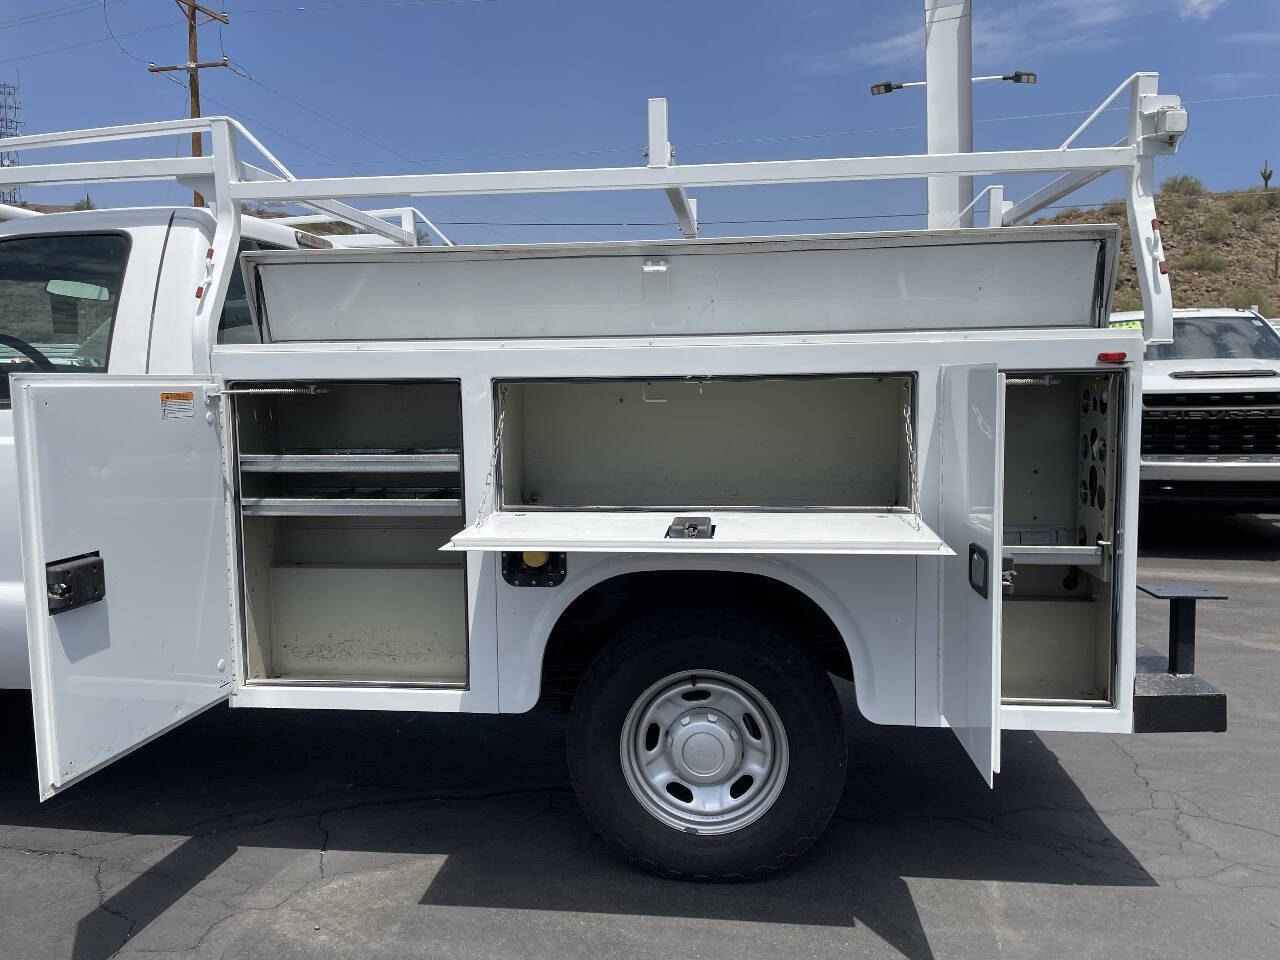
(660, 644)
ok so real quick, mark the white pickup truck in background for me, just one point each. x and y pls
(1211, 412)
(64, 277)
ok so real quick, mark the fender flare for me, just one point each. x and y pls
(521, 694)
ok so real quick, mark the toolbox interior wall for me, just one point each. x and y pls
(1041, 451)
(356, 416)
(818, 441)
(362, 599)
(1058, 633)
(257, 544)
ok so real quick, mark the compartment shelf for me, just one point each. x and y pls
(1054, 555)
(355, 462)
(351, 507)
(645, 531)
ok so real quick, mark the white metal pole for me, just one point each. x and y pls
(948, 47)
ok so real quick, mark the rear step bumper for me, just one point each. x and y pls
(1167, 696)
(1165, 702)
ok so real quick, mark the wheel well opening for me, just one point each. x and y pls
(588, 622)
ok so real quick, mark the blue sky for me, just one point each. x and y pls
(383, 86)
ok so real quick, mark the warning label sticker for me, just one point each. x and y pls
(174, 405)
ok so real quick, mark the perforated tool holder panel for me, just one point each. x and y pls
(1099, 414)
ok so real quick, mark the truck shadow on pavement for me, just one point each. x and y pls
(253, 811)
(1203, 533)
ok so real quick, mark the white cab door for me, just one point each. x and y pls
(129, 469)
(971, 423)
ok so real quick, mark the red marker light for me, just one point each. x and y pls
(1164, 267)
(1117, 357)
(199, 291)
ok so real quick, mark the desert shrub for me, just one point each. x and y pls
(1113, 209)
(1126, 300)
(1247, 203)
(1171, 208)
(1202, 260)
(1183, 185)
(1243, 298)
(1216, 226)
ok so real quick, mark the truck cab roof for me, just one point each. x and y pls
(116, 218)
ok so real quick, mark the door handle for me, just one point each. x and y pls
(980, 571)
(74, 582)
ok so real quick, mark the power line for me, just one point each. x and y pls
(321, 8)
(817, 219)
(364, 136)
(829, 134)
(88, 43)
(112, 34)
(84, 6)
(341, 163)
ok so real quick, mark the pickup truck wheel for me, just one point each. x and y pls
(705, 746)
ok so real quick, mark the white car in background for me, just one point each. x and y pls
(1211, 411)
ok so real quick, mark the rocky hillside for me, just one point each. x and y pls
(1222, 248)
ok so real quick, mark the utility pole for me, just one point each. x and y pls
(193, 66)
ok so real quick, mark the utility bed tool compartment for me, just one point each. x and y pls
(1061, 482)
(752, 465)
(347, 491)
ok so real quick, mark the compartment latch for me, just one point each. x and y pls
(691, 528)
(75, 581)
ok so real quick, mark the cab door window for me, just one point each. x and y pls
(58, 300)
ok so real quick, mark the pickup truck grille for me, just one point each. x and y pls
(1211, 424)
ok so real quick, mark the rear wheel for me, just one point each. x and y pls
(703, 745)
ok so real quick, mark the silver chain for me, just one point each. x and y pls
(912, 479)
(490, 481)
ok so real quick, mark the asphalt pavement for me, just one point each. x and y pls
(265, 834)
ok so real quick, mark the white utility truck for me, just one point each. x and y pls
(674, 485)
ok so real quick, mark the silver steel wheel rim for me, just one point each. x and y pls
(704, 752)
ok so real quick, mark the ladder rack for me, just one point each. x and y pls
(1155, 127)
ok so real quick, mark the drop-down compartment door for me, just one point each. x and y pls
(971, 424)
(124, 541)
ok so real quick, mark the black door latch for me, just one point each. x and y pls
(75, 581)
(691, 528)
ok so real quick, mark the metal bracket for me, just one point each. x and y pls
(662, 154)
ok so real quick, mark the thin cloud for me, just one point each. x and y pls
(1004, 31)
(1257, 38)
(1198, 9)
(1229, 82)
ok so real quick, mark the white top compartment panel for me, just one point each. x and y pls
(645, 531)
(916, 280)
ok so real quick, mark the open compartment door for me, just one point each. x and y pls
(124, 540)
(692, 531)
(971, 419)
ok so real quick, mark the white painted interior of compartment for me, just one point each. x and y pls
(710, 443)
(1056, 640)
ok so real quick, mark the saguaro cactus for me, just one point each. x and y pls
(1266, 175)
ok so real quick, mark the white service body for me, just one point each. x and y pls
(172, 513)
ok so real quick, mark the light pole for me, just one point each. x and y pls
(950, 130)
